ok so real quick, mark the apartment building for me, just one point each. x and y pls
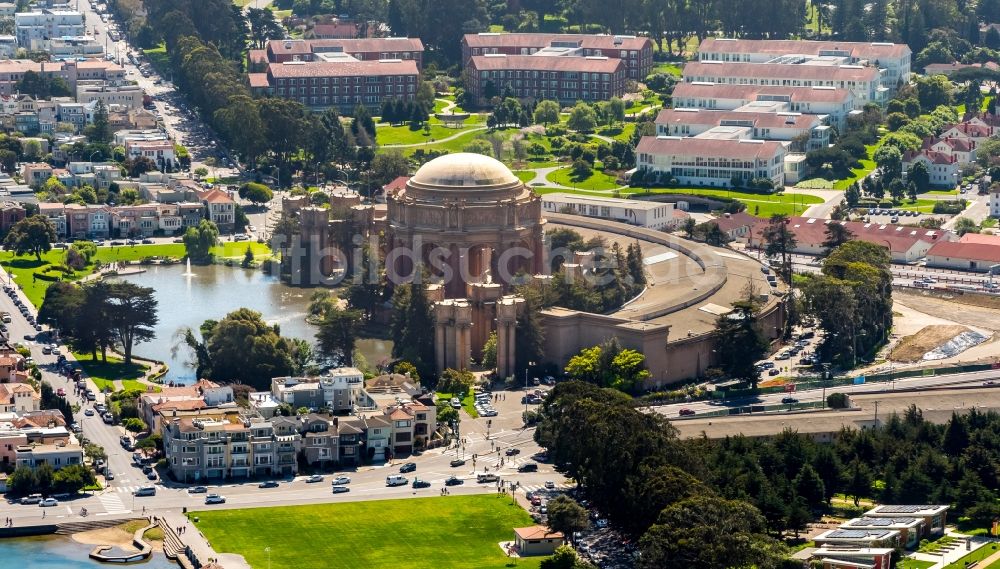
(768, 120)
(56, 455)
(33, 28)
(712, 162)
(864, 82)
(13, 70)
(364, 49)
(635, 52)
(533, 77)
(339, 82)
(161, 152)
(35, 173)
(124, 97)
(10, 213)
(894, 58)
(339, 390)
(67, 47)
(221, 208)
(943, 166)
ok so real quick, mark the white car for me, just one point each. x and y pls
(341, 480)
(215, 499)
(48, 503)
(314, 478)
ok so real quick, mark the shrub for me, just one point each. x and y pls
(837, 401)
(949, 207)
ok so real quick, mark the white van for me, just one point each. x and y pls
(396, 480)
(146, 491)
(486, 477)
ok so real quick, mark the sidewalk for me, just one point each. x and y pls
(199, 546)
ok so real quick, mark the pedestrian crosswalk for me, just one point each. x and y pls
(541, 487)
(113, 504)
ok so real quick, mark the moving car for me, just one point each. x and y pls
(48, 503)
(197, 490)
(686, 412)
(457, 462)
(550, 484)
(340, 480)
(145, 491)
(528, 467)
(268, 484)
(215, 499)
(89, 412)
(314, 478)
(453, 481)
(408, 467)
(31, 499)
(396, 480)
(338, 489)
(418, 483)
(789, 400)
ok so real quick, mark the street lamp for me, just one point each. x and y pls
(525, 418)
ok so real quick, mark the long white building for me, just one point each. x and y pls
(832, 102)
(865, 82)
(712, 162)
(893, 58)
(653, 215)
(768, 120)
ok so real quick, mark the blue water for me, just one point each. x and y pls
(55, 552)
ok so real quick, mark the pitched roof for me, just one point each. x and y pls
(732, 221)
(971, 251)
(537, 532)
(336, 29)
(932, 156)
(707, 147)
(980, 238)
(215, 196)
(534, 63)
(758, 119)
(860, 50)
(588, 41)
(900, 238)
(355, 45)
(258, 80)
(780, 71)
(397, 184)
(342, 68)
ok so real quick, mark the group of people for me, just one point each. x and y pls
(9, 523)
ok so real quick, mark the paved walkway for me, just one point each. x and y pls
(436, 141)
(202, 550)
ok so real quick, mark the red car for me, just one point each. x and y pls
(686, 412)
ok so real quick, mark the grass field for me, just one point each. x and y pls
(921, 205)
(104, 374)
(525, 175)
(468, 402)
(667, 69)
(158, 58)
(762, 205)
(597, 180)
(907, 563)
(453, 532)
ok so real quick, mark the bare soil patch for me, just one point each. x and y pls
(912, 348)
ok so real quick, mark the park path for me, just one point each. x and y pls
(433, 141)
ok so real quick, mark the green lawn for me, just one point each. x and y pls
(393, 135)
(942, 193)
(158, 58)
(762, 205)
(104, 374)
(907, 563)
(452, 532)
(667, 69)
(525, 175)
(921, 205)
(468, 402)
(596, 181)
(977, 555)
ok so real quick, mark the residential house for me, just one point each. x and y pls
(88, 221)
(55, 455)
(161, 152)
(736, 226)
(221, 208)
(10, 213)
(942, 167)
(320, 439)
(352, 440)
(35, 173)
(339, 390)
(413, 423)
(379, 436)
(18, 398)
(56, 214)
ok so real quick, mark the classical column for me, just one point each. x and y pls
(439, 311)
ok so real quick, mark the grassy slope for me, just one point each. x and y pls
(454, 532)
(104, 374)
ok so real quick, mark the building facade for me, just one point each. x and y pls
(635, 52)
(532, 77)
(712, 162)
(339, 84)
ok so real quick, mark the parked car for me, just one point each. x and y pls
(341, 480)
(550, 484)
(268, 484)
(151, 476)
(789, 400)
(197, 490)
(215, 499)
(89, 412)
(31, 499)
(314, 478)
(338, 489)
(408, 467)
(48, 503)
(686, 412)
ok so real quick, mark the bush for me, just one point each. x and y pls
(949, 207)
(837, 401)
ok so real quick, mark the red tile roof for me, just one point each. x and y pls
(715, 117)
(860, 50)
(360, 45)
(342, 69)
(338, 30)
(537, 532)
(900, 238)
(980, 238)
(971, 251)
(215, 196)
(733, 221)
(545, 63)
(257, 56)
(258, 79)
(781, 71)
(706, 147)
(588, 41)
(398, 184)
(932, 156)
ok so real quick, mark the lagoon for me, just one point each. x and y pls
(55, 552)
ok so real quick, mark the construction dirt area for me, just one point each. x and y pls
(923, 323)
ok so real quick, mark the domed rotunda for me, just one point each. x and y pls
(467, 219)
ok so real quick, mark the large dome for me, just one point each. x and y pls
(464, 170)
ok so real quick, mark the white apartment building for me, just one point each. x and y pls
(341, 389)
(161, 152)
(894, 58)
(712, 162)
(944, 169)
(994, 202)
(125, 96)
(55, 455)
(654, 215)
(864, 82)
(834, 103)
(34, 28)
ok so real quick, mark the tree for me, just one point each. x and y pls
(859, 481)
(709, 532)
(837, 401)
(920, 177)
(248, 258)
(965, 225)
(198, 241)
(564, 557)
(456, 381)
(809, 486)
(134, 425)
(411, 320)
(32, 235)
(256, 193)
(337, 334)
(836, 235)
(99, 131)
(566, 515)
(852, 195)
(890, 162)
(489, 356)
(131, 311)
(546, 112)
(780, 241)
(582, 118)
(407, 369)
(740, 343)
(798, 516)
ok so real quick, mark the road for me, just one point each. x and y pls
(487, 438)
(963, 379)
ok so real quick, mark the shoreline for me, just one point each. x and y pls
(115, 536)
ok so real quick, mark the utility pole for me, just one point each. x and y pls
(876, 414)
